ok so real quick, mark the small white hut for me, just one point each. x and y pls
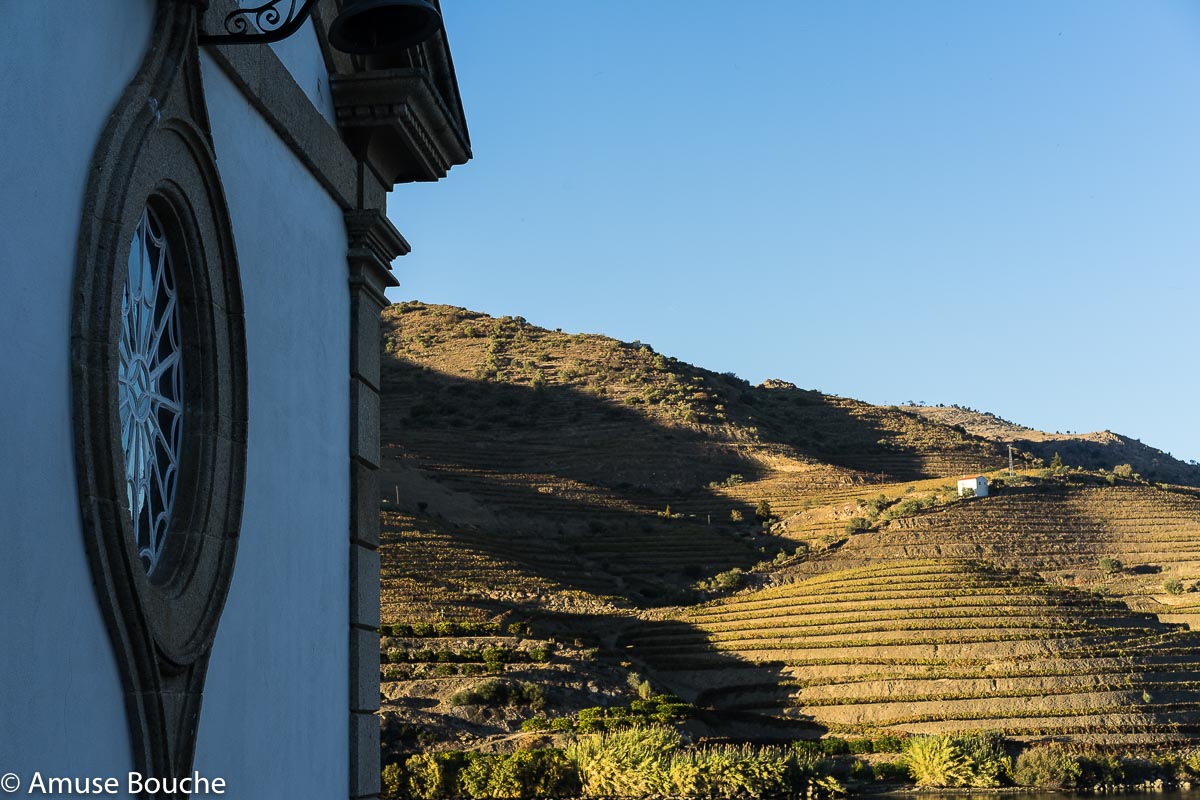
(974, 486)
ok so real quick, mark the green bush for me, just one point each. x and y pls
(1111, 566)
(1173, 586)
(833, 746)
(990, 765)
(1098, 767)
(626, 763)
(525, 773)
(890, 771)
(496, 693)
(433, 776)
(887, 743)
(535, 724)
(591, 720)
(391, 779)
(1047, 767)
(936, 761)
(860, 747)
(858, 525)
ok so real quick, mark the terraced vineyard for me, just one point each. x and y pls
(793, 562)
(1062, 532)
(932, 646)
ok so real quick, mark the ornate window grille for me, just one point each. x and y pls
(150, 388)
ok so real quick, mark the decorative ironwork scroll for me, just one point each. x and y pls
(261, 24)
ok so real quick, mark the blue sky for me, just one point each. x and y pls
(991, 204)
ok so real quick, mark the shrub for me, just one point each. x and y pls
(1097, 767)
(391, 780)
(860, 747)
(626, 763)
(936, 761)
(730, 579)
(858, 525)
(890, 771)
(591, 720)
(990, 765)
(887, 743)
(735, 515)
(562, 724)
(525, 773)
(432, 776)
(1111, 566)
(1047, 767)
(1124, 471)
(833, 746)
(831, 539)
(535, 724)
(763, 510)
(497, 693)
(1173, 586)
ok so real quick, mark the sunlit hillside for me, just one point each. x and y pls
(571, 522)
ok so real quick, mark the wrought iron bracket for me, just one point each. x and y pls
(261, 24)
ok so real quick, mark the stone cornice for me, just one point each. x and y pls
(397, 121)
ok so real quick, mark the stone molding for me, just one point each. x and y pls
(156, 151)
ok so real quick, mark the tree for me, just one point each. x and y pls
(1123, 471)
(1056, 462)
(858, 525)
(763, 510)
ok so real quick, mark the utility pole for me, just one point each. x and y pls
(1011, 472)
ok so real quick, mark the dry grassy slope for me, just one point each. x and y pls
(525, 477)
(642, 415)
(1097, 450)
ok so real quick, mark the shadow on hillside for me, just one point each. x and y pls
(556, 430)
(593, 479)
(652, 563)
(581, 436)
(734, 699)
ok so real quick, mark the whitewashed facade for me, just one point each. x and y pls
(252, 654)
(976, 485)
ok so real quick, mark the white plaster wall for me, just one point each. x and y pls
(65, 64)
(275, 721)
(301, 55)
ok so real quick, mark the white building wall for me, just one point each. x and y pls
(275, 716)
(275, 721)
(301, 54)
(62, 710)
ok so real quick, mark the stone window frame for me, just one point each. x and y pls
(156, 151)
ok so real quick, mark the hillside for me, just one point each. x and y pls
(1092, 451)
(570, 522)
